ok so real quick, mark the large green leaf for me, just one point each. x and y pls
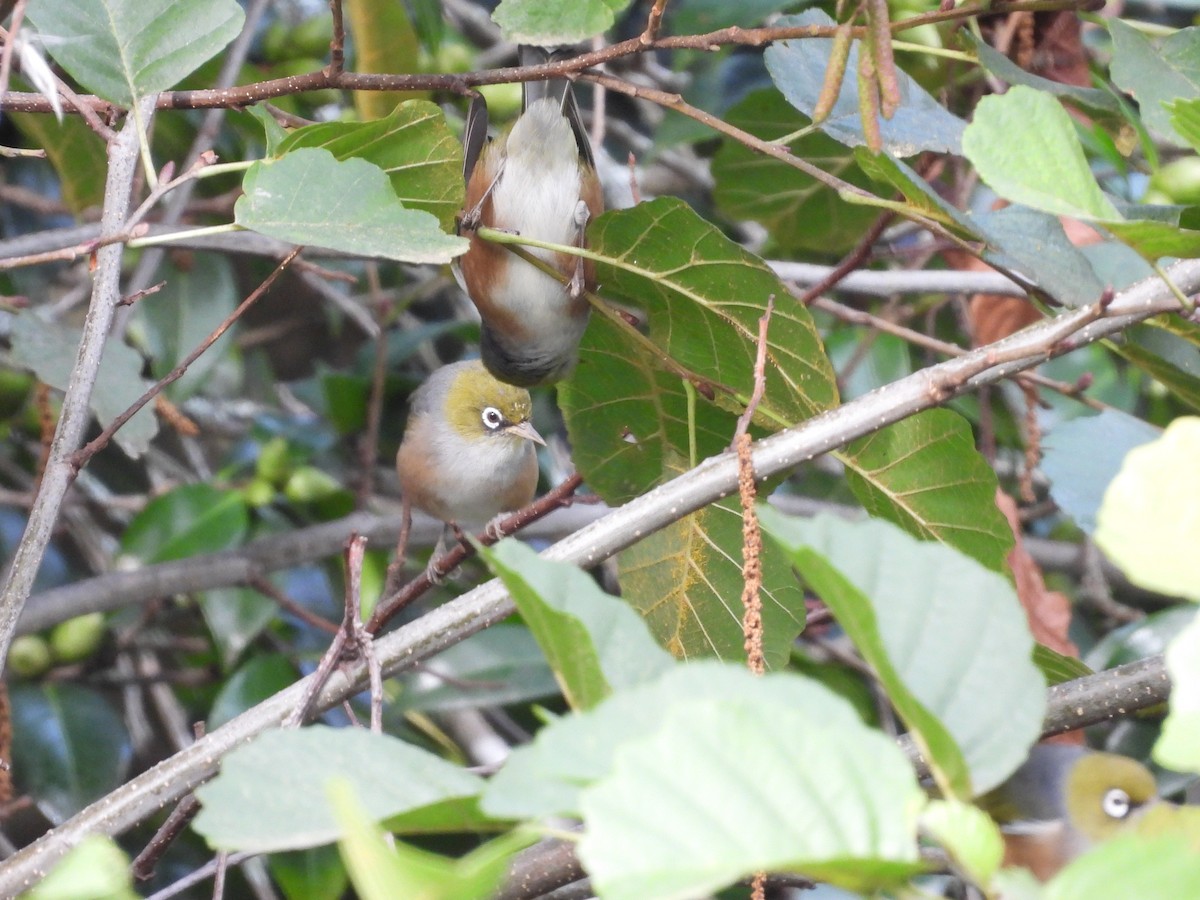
(924, 474)
(124, 49)
(595, 643)
(719, 793)
(798, 69)
(1131, 865)
(1147, 523)
(545, 777)
(703, 296)
(800, 212)
(70, 747)
(1082, 455)
(1024, 146)
(271, 793)
(413, 145)
(1156, 72)
(946, 637)
(309, 197)
(685, 579)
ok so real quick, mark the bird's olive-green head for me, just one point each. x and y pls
(1104, 792)
(478, 406)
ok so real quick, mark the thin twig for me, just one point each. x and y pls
(10, 43)
(653, 23)
(80, 457)
(337, 57)
(448, 562)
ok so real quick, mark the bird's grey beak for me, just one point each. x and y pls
(527, 431)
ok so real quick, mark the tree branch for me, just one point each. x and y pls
(106, 294)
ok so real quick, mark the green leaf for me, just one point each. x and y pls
(273, 133)
(544, 778)
(190, 306)
(800, 212)
(1185, 118)
(798, 69)
(924, 474)
(1156, 72)
(1004, 68)
(235, 618)
(968, 834)
(946, 637)
(686, 580)
(125, 49)
(309, 197)
(69, 747)
(383, 870)
(716, 794)
(49, 350)
(1178, 747)
(1147, 522)
(1058, 668)
(547, 22)
(595, 643)
(412, 145)
(258, 679)
(1024, 145)
(270, 794)
(313, 874)
(75, 151)
(498, 667)
(190, 520)
(1154, 239)
(1034, 243)
(1165, 358)
(1131, 865)
(703, 296)
(1081, 456)
(96, 869)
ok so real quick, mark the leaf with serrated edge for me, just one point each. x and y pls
(947, 638)
(595, 643)
(125, 49)
(686, 579)
(545, 777)
(726, 788)
(924, 474)
(309, 197)
(412, 145)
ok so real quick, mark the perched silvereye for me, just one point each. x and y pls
(467, 453)
(1065, 799)
(537, 181)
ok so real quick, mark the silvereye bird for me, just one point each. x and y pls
(467, 453)
(1064, 799)
(537, 181)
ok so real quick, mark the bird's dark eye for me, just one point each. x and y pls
(1115, 803)
(492, 418)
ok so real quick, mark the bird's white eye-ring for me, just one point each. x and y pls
(1115, 803)
(492, 418)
